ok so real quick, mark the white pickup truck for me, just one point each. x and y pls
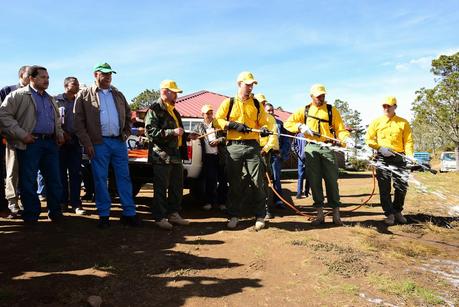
(142, 172)
(447, 161)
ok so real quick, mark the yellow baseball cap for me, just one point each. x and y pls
(317, 90)
(390, 100)
(246, 77)
(170, 85)
(206, 108)
(261, 98)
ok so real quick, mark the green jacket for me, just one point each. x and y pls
(162, 141)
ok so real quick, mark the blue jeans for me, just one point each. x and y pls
(301, 178)
(276, 166)
(42, 155)
(70, 161)
(114, 152)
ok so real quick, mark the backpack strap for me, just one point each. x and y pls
(306, 111)
(231, 103)
(257, 105)
(330, 117)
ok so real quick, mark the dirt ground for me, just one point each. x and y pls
(291, 263)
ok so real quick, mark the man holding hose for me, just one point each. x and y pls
(390, 134)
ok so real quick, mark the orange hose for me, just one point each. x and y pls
(270, 184)
(310, 217)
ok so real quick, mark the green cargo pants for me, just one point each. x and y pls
(245, 155)
(321, 163)
(168, 189)
(266, 159)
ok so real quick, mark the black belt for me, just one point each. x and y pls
(44, 136)
(242, 142)
(112, 137)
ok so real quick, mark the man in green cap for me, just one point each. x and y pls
(102, 124)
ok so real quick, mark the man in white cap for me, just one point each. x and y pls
(213, 147)
(166, 148)
(316, 121)
(239, 115)
(387, 134)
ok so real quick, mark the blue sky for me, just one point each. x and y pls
(361, 50)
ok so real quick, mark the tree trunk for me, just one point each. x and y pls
(457, 156)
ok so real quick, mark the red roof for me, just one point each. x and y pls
(190, 105)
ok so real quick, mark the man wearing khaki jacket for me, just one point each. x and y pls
(102, 123)
(30, 120)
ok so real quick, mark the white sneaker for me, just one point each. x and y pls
(400, 218)
(207, 207)
(259, 224)
(80, 211)
(164, 224)
(233, 222)
(390, 220)
(175, 218)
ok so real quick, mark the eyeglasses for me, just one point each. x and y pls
(386, 106)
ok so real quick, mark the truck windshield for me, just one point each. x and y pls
(450, 156)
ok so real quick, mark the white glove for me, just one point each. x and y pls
(303, 128)
(350, 143)
(386, 152)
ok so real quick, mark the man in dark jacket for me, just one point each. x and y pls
(167, 148)
(70, 151)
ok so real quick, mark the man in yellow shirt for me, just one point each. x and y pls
(269, 147)
(239, 115)
(387, 134)
(315, 123)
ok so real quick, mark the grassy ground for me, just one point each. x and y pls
(363, 263)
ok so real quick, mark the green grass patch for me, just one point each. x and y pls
(407, 289)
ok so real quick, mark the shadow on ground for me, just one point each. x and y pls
(57, 265)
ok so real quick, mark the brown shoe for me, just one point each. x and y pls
(164, 224)
(175, 218)
(320, 218)
(400, 218)
(390, 220)
(336, 217)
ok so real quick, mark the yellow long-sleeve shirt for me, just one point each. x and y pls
(244, 112)
(323, 127)
(393, 133)
(170, 109)
(272, 141)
